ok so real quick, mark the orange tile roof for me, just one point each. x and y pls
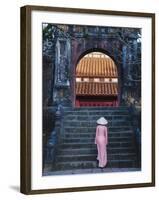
(96, 67)
(96, 89)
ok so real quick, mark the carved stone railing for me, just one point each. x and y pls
(50, 149)
(135, 112)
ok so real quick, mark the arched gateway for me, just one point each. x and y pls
(96, 82)
(90, 66)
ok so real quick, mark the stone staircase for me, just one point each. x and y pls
(76, 149)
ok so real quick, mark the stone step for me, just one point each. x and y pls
(116, 144)
(90, 170)
(94, 164)
(75, 165)
(97, 113)
(74, 129)
(92, 157)
(95, 117)
(96, 108)
(84, 135)
(83, 151)
(76, 148)
(91, 140)
(93, 123)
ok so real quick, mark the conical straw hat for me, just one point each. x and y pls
(102, 121)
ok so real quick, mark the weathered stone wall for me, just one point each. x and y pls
(64, 45)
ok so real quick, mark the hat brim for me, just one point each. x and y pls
(102, 122)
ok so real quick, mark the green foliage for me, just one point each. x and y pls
(47, 31)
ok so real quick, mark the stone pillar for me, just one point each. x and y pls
(125, 72)
(61, 92)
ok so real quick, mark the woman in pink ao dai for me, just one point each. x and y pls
(101, 140)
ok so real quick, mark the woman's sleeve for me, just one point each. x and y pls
(106, 134)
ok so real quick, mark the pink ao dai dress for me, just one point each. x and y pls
(101, 140)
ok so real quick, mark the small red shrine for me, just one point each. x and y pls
(96, 81)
